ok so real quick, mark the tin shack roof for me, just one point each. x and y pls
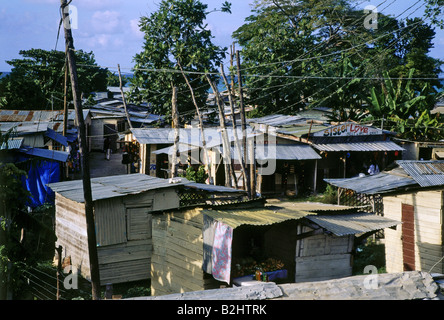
(113, 186)
(408, 173)
(255, 216)
(338, 224)
(122, 185)
(349, 224)
(425, 173)
(379, 183)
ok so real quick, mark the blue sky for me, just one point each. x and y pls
(109, 28)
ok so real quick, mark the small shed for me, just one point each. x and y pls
(123, 210)
(204, 248)
(412, 193)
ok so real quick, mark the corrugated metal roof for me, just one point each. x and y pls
(113, 186)
(154, 135)
(279, 120)
(425, 173)
(254, 216)
(15, 143)
(311, 206)
(359, 146)
(213, 188)
(28, 115)
(122, 185)
(190, 136)
(286, 152)
(349, 224)
(378, 183)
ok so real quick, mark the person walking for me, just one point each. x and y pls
(107, 148)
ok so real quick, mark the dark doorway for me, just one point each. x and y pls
(408, 237)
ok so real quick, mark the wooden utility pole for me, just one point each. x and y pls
(244, 126)
(84, 154)
(233, 121)
(123, 98)
(226, 152)
(202, 131)
(175, 116)
(65, 96)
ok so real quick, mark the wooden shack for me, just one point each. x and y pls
(418, 245)
(123, 209)
(202, 249)
(412, 192)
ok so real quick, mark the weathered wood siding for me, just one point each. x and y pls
(71, 233)
(176, 263)
(123, 232)
(427, 230)
(323, 257)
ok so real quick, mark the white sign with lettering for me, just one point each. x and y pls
(348, 129)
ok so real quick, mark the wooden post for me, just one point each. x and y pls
(226, 153)
(199, 115)
(233, 120)
(59, 269)
(65, 109)
(244, 126)
(65, 96)
(84, 154)
(175, 116)
(123, 98)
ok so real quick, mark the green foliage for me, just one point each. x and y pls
(199, 176)
(406, 110)
(37, 80)
(175, 33)
(369, 254)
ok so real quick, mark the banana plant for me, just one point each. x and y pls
(407, 111)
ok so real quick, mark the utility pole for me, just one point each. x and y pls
(175, 116)
(244, 127)
(123, 98)
(65, 108)
(226, 150)
(84, 154)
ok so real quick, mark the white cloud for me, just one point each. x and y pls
(135, 29)
(106, 21)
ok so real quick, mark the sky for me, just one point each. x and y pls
(109, 28)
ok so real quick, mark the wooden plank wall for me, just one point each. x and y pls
(176, 263)
(71, 233)
(428, 235)
(123, 257)
(323, 257)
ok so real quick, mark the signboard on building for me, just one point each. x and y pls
(348, 129)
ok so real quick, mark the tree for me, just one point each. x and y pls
(175, 33)
(405, 110)
(36, 81)
(434, 10)
(292, 45)
(13, 199)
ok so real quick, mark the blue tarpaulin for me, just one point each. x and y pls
(40, 174)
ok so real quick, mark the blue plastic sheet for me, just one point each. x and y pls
(40, 174)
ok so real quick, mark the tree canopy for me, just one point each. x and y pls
(175, 34)
(299, 54)
(36, 81)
